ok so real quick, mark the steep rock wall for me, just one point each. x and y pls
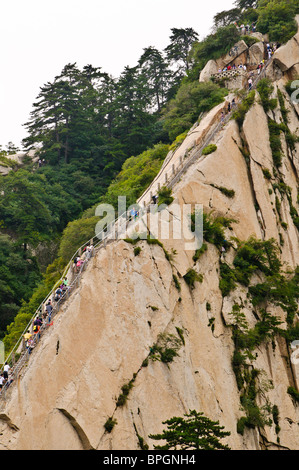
(102, 337)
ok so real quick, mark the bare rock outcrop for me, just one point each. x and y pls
(209, 70)
(287, 56)
(256, 54)
(286, 59)
(16, 160)
(212, 66)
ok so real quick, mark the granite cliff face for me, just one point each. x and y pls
(16, 159)
(101, 339)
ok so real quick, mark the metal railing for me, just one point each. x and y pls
(111, 232)
(186, 162)
(227, 74)
(197, 152)
(108, 234)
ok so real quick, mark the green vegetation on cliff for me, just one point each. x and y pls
(102, 137)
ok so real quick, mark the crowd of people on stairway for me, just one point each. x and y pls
(44, 316)
(79, 261)
(251, 70)
(269, 50)
(6, 377)
(251, 73)
(232, 67)
(246, 29)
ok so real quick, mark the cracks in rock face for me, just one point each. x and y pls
(253, 192)
(78, 429)
(7, 420)
(255, 161)
(266, 444)
(199, 171)
(160, 277)
(291, 160)
(142, 444)
(211, 199)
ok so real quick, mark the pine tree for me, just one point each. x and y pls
(49, 120)
(23, 210)
(133, 123)
(157, 74)
(194, 432)
(227, 17)
(178, 50)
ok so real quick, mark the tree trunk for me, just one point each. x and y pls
(66, 142)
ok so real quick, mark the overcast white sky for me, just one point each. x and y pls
(38, 38)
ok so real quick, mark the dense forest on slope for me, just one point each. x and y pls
(102, 137)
